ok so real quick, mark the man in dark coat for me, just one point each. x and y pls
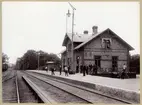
(60, 70)
(77, 69)
(123, 71)
(81, 68)
(84, 70)
(69, 69)
(90, 68)
(66, 71)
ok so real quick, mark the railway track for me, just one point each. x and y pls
(52, 94)
(85, 94)
(15, 90)
(9, 75)
(10, 88)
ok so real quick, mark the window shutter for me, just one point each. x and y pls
(103, 44)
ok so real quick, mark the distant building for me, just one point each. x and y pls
(50, 64)
(105, 49)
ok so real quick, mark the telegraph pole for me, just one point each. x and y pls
(72, 57)
(38, 59)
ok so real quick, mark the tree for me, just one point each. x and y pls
(135, 63)
(4, 58)
(27, 61)
(18, 64)
(30, 60)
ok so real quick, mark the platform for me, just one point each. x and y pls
(132, 84)
(126, 89)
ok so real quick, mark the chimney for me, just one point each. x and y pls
(85, 32)
(95, 30)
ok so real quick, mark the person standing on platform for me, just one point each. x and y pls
(60, 70)
(90, 68)
(52, 71)
(66, 71)
(46, 68)
(84, 70)
(77, 69)
(123, 71)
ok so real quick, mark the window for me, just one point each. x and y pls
(106, 43)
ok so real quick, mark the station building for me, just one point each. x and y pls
(105, 49)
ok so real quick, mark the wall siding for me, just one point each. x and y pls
(95, 48)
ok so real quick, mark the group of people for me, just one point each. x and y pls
(90, 69)
(66, 69)
(52, 69)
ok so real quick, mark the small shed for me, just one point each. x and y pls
(50, 64)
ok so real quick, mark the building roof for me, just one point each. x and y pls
(50, 62)
(85, 38)
(63, 51)
(79, 37)
(89, 39)
(76, 38)
(98, 34)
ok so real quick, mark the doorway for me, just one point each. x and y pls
(98, 61)
(114, 63)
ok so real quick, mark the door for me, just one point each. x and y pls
(77, 62)
(114, 63)
(98, 61)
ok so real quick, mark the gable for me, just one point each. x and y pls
(106, 33)
(97, 42)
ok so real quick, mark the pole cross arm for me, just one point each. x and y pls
(71, 6)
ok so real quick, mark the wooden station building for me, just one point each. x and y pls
(106, 49)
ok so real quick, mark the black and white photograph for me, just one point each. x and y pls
(71, 52)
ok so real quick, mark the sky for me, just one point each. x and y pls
(42, 25)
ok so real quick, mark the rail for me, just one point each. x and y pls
(17, 91)
(39, 92)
